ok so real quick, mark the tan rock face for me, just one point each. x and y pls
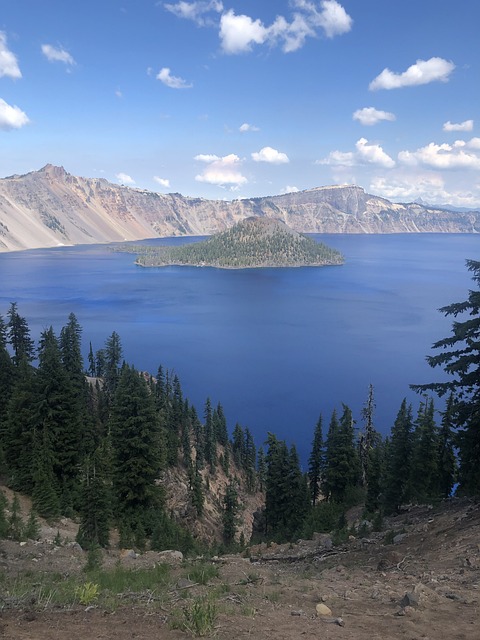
(50, 208)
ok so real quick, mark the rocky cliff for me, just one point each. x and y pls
(51, 207)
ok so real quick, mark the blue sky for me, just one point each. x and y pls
(239, 98)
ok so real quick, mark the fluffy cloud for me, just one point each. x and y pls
(173, 82)
(248, 127)
(8, 61)
(365, 154)
(430, 187)
(467, 125)
(11, 117)
(267, 154)
(221, 171)
(289, 189)
(459, 155)
(369, 116)
(124, 178)
(163, 182)
(422, 72)
(238, 33)
(54, 54)
(195, 10)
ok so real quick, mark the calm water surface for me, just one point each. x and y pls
(275, 346)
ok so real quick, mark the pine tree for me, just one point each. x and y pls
(113, 357)
(238, 445)
(19, 336)
(136, 452)
(3, 516)
(368, 437)
(32, 527)
(210, 439)
(460, 359)
(230, 513)
(19, 428)
(250, 458)
(261, 469)
(398, 464)
(424, 458)
(220, 425)
(92, 368)
(62, 400)
(7, 371)
(447, 462)
(316, 463)
(16, 525)
(341, 459)
(95, 511)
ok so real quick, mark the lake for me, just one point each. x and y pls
(276, 347)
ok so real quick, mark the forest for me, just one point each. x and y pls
(91, 440)
(254, 242)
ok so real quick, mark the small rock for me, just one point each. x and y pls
(332, 620)
(409, 600)
(184, 583)
(128, 553)
(297, 613)
(323, 610)
(170, 554)
(399, 537)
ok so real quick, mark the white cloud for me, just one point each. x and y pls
(238, 33)
(373, 154)
(195, 10)
(268, 154)
(248, 127)
(163, 182)
(11, 117)
(8, 60)
(54, 54)
(466, 125)
(430, 187)
(365, 154)
(173, 82)
(369, 116)
(459, 155)
(124, 178)
(422, 72)
(289, 189)
(221, 171)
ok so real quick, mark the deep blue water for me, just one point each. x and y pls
(276, 347)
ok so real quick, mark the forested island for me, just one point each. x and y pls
(253, 243)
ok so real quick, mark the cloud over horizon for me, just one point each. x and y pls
(221, 171)
(124, 178)
(163, 182)
(459, 155)
(365, 153)
(422, 72)
(467, 125)
(268, 154)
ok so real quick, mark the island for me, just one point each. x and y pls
(252, 243)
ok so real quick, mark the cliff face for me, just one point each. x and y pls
(50, 207)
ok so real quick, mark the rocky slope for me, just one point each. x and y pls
(50, 207)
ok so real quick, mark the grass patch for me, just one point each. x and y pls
(197, 618)
(203, 573)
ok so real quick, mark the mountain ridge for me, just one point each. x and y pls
(51, 207)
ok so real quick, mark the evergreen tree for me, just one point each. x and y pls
(59, 416)
(19, 336)
(230, 513)
(15, 523)
(7, 371)
(3, 516)
(424, 458)
(198, 498)
(316, 462)
(113, 357)
(238, 445)
(368, 437)
(261, 469)
(341, 459)
(95, 501)
(397, 481)
(447, 462)
(210, 439)
(250, 458)
(220, 425)
(460, 359)
(32, 527)
(136, 453)
(92, 368)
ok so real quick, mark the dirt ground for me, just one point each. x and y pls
(425, 585)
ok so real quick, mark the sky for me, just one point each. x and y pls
(230, 99)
